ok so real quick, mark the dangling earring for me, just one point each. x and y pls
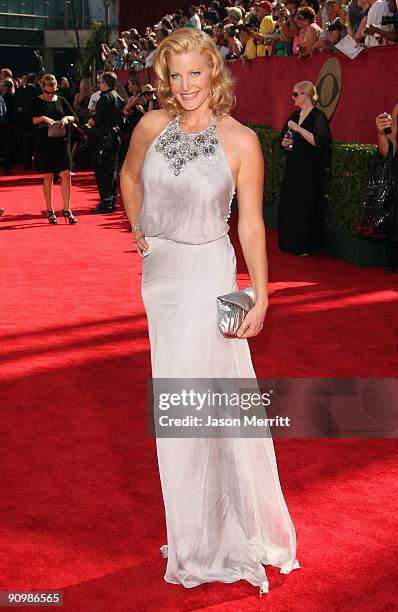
(212, 92)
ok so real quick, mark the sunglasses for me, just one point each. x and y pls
(297, 93)
(53, 91)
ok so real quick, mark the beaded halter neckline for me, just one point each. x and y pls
(180, 148)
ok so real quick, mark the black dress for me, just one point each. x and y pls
(53, 154)
(301, 205)
(392, 243)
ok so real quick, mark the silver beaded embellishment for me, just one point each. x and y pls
(180, 148)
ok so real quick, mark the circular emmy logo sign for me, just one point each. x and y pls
(328, 86)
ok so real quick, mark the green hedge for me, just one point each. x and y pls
(349, 171)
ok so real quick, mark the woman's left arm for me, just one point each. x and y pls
(306, 134)
(251, 230)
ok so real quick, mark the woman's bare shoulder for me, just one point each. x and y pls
(235, 132)
(152, 123)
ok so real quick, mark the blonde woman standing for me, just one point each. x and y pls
(301, 204)
(225, 513)
(81, 100)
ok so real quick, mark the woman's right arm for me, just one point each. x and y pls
(360, 33)
(130, 176)
(42, 119)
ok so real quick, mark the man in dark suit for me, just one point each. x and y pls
(26, 94)
(105, 129)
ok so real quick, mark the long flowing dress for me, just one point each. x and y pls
(301, 204)
(225, 511)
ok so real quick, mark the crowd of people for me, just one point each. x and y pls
(17, 134)
(241, 29)
(249, 29)
(105, 114)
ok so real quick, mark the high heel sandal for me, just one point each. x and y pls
(51, 217)
(68, 216)
(264, 588)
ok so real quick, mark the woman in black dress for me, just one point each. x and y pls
(301, 205)
(384, 121)
(53, 154)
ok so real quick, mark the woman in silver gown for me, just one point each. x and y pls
(225, 513)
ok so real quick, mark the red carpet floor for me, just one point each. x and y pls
(80, 504)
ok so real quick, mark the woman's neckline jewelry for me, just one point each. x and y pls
(180, 148)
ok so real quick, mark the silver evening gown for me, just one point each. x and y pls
(225, 511)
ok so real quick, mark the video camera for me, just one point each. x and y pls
(390, 20)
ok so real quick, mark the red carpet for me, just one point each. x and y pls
(80, 505)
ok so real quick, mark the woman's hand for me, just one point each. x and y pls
(292, 125)
(67, 119)
(47, 120)
(286, 142)
(142, 245)
(253, 322)
(383, 121)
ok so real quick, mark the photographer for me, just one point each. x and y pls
(105, 127)
(289, 28)
(235, 47)
(378, 9)
(263, 11)
(389, 25)
(387, 132)
(247, 39)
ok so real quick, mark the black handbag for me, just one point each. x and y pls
(377, 215)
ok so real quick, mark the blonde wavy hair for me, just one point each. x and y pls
(185, 40)
(48, 79)
(308, 88)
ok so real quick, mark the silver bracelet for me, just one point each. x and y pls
(135, 227)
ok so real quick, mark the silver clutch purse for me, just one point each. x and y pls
(232, 309)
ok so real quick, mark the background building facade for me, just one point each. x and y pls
(49, 26)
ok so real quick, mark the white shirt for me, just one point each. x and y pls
(195, 20)
(93, 100)
(376, 12)
(149, 59)
(224, 50)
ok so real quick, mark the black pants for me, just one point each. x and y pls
(4, 150)
(105, 163)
